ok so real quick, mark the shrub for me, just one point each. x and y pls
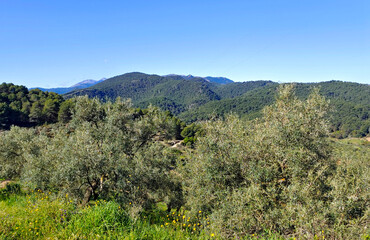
(266, 174)
(349, 197)
(10, 188)
(12, 151)
(190, 134)
(108, 150)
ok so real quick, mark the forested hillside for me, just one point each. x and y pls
(195, 99)
(142, 88)
(349, 113)
(190, 99)
(21, 107)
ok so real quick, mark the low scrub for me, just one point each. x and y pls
(279, 173)
(109, 170)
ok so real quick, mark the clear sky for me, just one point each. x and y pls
(60, 42)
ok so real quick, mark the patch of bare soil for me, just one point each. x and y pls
(4, 183)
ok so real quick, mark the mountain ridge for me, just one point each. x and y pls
(193, 99)
(80, 85)
(219, 80)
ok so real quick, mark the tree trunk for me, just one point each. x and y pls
(90, 191)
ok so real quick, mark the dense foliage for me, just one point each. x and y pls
(348, 115)
(271, 174)
(106, 150)
(21, 107)
(278, 175)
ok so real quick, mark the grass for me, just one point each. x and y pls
(39, 215)
(353, 141)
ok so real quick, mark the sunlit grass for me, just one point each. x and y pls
(41, 215)
(32, 216)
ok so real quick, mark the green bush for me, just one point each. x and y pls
(190, 134)
(108, 150)
(350, 190)
(10, 188)
(12, 151)
(269, 174)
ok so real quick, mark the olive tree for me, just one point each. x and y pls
(108, 150)
(270, 173)
(11, 151)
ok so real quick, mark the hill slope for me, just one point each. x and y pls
(195, 99)
(175, 93)
(350, 103)
(143, 89)
(218, 80)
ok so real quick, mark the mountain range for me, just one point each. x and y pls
(90, 82)
(176, 93)
(189, 98)
(220, 80)
(62, 90)
(195, 98)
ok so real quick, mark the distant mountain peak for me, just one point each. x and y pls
(219, 80)
(83, 84)
(88, 82)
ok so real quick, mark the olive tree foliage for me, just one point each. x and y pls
(108, 150)
(11, 151)
(268, 174)
(350, 194)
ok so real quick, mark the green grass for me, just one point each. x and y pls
(354, 141)
(39, 215)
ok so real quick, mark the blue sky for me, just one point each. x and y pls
(58, 43)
